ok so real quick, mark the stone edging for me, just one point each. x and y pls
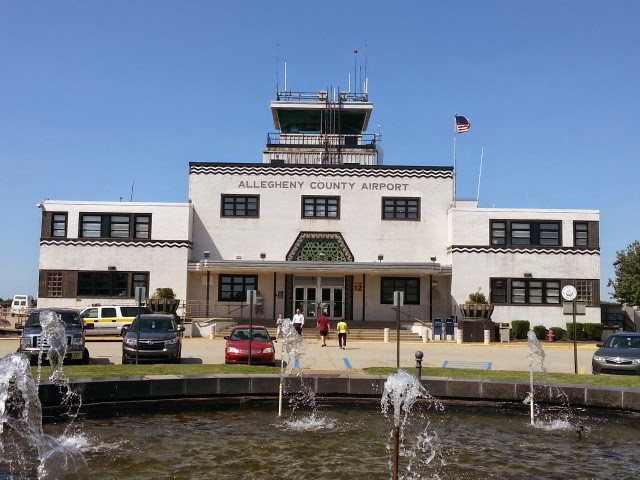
(165, 387)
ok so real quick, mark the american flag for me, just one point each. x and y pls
(462, 124)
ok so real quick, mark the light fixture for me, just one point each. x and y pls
(528, 275)
(434, 283)
(111, 268)
(263, 255)
(380, 257)
(321, 256)
(433, 259)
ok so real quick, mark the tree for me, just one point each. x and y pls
(626, 286)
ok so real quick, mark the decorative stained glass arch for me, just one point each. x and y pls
(319, 246)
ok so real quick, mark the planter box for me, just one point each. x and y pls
(163, 305)
(476, 310)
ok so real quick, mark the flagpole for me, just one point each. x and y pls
(454, 160)
(480, 175)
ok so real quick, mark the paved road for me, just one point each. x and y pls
(559, 357)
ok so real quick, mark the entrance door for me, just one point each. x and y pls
(312, 295)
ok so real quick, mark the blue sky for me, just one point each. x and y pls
(97, 96)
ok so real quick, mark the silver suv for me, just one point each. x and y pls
(34, 344)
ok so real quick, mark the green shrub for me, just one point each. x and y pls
(559, 333)
(580, 333)
(540, 331)
(520, 328)
(166, 292)
(477, 298)
(593, 331)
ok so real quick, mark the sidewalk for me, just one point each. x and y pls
(559, 357)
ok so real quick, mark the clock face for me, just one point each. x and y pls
(569, 293)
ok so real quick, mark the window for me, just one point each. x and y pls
(59, 225)
(119, 226)
(401, 209)
(240, 205)
(515, 232)
(585, 291)
(111, 284)
(581, 234)
(53, 284)
(142, 227)
(91, 226)
(498, 233)
(102, 284)
(320, 207)
(115, 226)
(233, 288)
(410, 287)
(532, 292)
(498, 290)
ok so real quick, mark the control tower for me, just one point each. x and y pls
(322, 128)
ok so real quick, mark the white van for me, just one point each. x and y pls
(21, 305)
(109, 319)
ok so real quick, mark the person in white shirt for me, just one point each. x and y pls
(298, 321)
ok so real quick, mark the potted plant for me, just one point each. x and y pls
(164, 300)
(476, 306)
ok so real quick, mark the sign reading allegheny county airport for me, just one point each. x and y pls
(322, 185)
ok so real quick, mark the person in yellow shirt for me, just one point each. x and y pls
(342, 329)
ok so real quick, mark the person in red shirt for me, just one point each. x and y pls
(323, 327)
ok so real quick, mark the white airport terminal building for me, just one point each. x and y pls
(322, 223)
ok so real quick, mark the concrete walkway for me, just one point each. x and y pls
(559, 357)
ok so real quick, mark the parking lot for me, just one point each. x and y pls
(559, 356)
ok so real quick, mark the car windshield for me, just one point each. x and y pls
(622, 341)
(243, 334)
(71, 319)
(152, 325)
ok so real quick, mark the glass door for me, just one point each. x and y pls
(332, 302)
(305, 300)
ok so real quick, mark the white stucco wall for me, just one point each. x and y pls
(280, 213)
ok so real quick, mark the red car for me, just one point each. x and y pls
(237, 348)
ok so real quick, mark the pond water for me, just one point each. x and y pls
(247, 440)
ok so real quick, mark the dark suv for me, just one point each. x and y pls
(152, 337)
(34, 344)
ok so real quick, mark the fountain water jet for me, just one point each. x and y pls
(401, 392)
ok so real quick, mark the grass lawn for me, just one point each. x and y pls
(104, 371)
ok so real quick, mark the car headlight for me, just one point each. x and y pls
(269, 350)
(130, 341)
(172, 341)
(76, 341)
(598, 358)
(233, 350)
(25, 342)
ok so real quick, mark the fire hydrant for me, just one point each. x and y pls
(550, 336)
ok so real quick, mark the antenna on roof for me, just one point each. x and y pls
(366, 79)
(132, 184)
(355, 72)
(277, 65)
(285, 76)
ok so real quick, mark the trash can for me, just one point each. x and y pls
(505, 332)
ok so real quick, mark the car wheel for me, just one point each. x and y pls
(85, 357)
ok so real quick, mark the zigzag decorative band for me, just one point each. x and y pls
(284, 170)
(526, 251)
(82, 242)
